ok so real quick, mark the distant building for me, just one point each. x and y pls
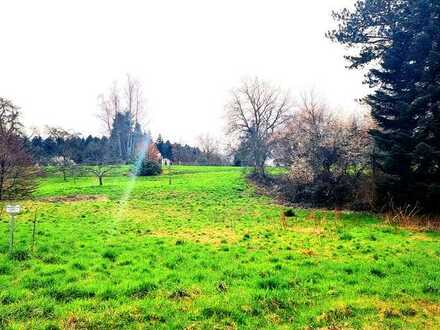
(166, 162)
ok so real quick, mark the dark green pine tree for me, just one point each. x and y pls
(168, 150)
(164, 148)
(160, 144)
(121, 133)
(398, 41)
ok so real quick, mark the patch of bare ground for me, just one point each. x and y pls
(74, 198)
(420, 314)
(213, 236)
(430, 308)
(318, 231)
(308, 252)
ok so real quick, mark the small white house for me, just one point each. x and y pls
(166, 162)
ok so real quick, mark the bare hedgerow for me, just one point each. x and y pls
(401, 215)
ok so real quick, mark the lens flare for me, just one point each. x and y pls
(123, 202)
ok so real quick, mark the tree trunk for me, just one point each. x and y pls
(1, 182)
(120, 145)
(100, 180)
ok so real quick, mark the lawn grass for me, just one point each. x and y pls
(206, 252)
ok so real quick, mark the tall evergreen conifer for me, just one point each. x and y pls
(398, 41)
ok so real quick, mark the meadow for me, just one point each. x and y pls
(207, 252)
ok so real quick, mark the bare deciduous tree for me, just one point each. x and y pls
(130, 100)
(256, 112)
(17, 173)
(305, 131)
(210, 147)
(127, 105)
(135, 106)
(100, 170)
(63, 161)
(134, 100)
(99, 161)
(108, 107)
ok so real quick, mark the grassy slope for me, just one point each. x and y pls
(204, 252)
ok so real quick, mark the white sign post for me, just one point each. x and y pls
(12, 210)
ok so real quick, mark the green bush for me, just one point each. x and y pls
(149, 168)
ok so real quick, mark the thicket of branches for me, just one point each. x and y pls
(329, 157)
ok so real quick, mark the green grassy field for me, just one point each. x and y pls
(206, 252)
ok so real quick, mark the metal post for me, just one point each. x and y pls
(169, 173)
(11, 234)
(33, 231)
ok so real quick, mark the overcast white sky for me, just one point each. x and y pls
(57, 56)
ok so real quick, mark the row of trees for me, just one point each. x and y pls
(122, 112)
(62, 145)
(328, 156)
(207, 151)
(22, 157)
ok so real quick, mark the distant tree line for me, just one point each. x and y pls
(23, 158)
(72, 147)
(88, 150)
(206, 153)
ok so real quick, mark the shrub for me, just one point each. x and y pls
(270, 283)
(289, 213)
(377, 272)
(329, 158)
(180, 294)
(110, 255)
(142, 289)
(20, 255)
(149, 168)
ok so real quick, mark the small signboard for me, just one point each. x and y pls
(13, 209)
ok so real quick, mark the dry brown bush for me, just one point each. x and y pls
(408, 216)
